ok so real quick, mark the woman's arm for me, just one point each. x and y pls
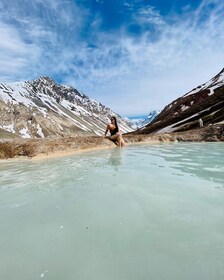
(106, 130)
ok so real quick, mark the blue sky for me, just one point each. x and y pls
(133, 56)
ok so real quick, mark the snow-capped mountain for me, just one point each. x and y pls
(137, 123)
(42, 108)
(204, 103)
(152, 116)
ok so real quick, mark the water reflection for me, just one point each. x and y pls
(75, 221)
(200, 160)
(115, 158)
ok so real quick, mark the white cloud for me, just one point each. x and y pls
(133, 75)
(152, 74)
(33, 36)
(149, 15)
(15, 53)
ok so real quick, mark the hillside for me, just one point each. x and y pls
(42, 108)
(206, 102)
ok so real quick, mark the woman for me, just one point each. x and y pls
(115, 134)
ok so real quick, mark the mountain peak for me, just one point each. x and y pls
(46, 80)
(42, 108)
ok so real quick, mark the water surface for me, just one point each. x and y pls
(143, 212)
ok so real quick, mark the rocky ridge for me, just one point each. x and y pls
(204, 103)
(42, 108)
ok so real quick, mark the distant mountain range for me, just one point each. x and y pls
(203, 105)
(137, 123)
(42, 108)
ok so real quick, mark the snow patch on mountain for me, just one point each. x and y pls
(8, 128)
(204, 104)
(43, 108)
(211, 85)
(25, 132)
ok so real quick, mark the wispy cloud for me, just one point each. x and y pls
(15, 53)
(132, 73)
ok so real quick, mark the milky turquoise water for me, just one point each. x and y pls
(143, 212)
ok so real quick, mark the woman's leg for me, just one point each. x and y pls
(122, 142)
(116, 137)
(119, 140)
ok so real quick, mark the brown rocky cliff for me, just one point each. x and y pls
(205, 102)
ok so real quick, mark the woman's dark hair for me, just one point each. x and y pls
(115, 121)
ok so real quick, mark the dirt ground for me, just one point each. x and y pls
(36, 148)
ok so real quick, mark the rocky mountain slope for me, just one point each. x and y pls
(42, 108)
(204, 103)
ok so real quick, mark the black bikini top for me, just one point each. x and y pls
(112, 132)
